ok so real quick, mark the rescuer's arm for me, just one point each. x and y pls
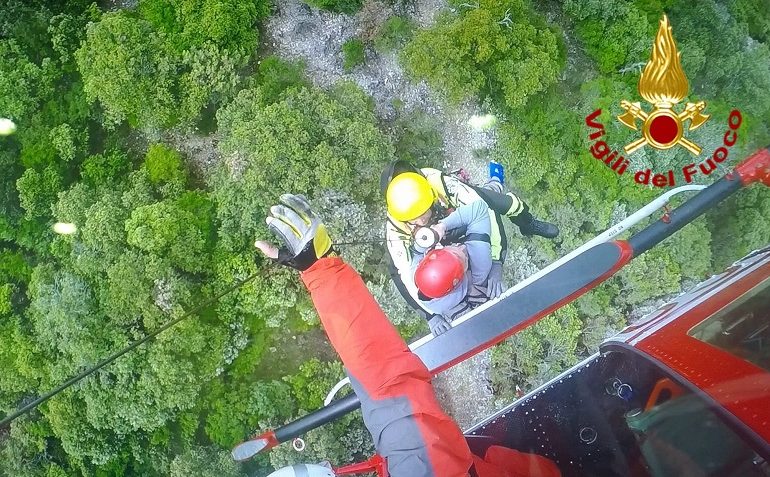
(475, 217)
(460, 193)
(398, 403)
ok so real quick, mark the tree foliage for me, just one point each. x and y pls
(616, 34)
(352, 54)
(307, 141)
(498, 48)
(22, 81)
(126, 68)
(741, 226)
(189, 24)
(164, 165)
(38, 190)
(167, 230)
(205, 461)
(162, 67)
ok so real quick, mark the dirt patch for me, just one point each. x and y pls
(200, 152)
(425, 11)
(112, 5)
(465, 391)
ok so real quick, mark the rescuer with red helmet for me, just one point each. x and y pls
(417, 197)
(399, 407)
(453, 279)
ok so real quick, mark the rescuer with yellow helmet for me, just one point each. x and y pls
(419, 197)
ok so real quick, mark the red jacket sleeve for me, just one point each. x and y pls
(400, 409)
(503, 462)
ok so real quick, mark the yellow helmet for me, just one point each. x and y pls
(409, 195)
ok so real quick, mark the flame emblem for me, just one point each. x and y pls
(663, 84)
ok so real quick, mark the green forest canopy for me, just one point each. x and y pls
(96, 96)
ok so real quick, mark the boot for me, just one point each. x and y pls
(528, 226)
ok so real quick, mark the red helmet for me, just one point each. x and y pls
(438, 273)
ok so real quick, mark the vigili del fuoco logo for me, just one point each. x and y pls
(664, 85)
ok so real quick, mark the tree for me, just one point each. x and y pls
(167, 230)
(756, 17)
(711, 36)
(210, 77)
(10, 209)
(13, 267)
(615, 34)
(352, 54)
(38, 190)
(276, 76)
(67, 31)
(155, 74)
(25, 450)
(164, 165)
(739, 226)
(237, 410)
(308, 141)
(205, 461)
(68, 142)
(497, 49)
(533, 356)
(106, 168)
(189, 24)
(18, 358)
(23, 83)
(125, 66)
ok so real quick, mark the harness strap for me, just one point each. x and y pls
(477, 237)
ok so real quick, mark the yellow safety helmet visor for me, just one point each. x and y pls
(409, 195)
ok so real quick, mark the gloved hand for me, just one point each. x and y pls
(438, 324)
(495, 286)
(304, 237)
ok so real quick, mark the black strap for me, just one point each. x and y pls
(477, 237)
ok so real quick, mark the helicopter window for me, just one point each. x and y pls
(742, 328)
(683, 436)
